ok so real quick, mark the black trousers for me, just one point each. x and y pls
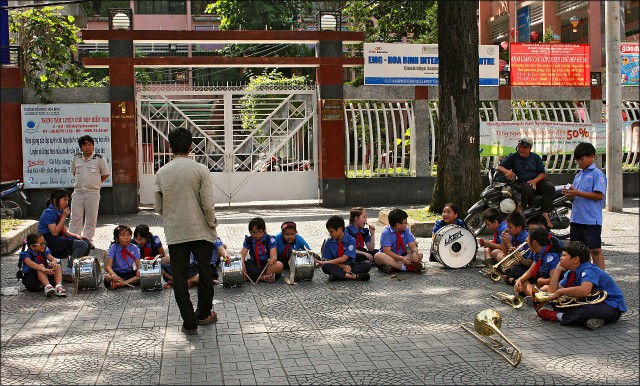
(543, 187)
(580, 314)
(179, 255)
(338, 273)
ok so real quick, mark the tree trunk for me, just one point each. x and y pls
(457, 139)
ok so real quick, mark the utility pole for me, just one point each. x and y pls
(614, 107)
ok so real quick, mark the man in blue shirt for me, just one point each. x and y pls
(529, 170)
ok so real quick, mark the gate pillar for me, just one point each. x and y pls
(331, 126)
(10, 124)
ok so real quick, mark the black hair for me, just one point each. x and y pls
(180, 140)
(538, 219)
(584, 149)
(56, 196)
(355, 212)
(118, 230)
(84, 139)
(492, 215)
(517, 219)
(544, 238)
(30, 240)
(288, 225)
(257, 222)
(143, 231)
(577, 248)
(453, 207)
(335, 223)
(396, 216)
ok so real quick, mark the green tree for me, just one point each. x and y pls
(256, 14)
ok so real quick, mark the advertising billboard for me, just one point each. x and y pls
(539, 64)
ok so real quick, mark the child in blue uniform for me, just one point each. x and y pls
(339, 254)
(399, 250)
(150, 245)
(123, 260)
(576, 276)
(219, 253)
(546, 252)
(38, 268)
(262, 250)
(365, 236)
(287, 241)
(587, 194)
(492, 219)
(514, 236)
(192, 271)
(450, 214)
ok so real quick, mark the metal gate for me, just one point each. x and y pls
(259, 145)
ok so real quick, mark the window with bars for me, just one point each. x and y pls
(162, 7)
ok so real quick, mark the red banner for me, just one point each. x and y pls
(550, 64)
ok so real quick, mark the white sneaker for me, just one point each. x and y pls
(49, 290)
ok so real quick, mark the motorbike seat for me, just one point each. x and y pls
(536, 199)
(8, 184)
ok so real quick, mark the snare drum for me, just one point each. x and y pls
(86, 273)
(302, 264)
(232, 273)
(150, 275)
(454, 246)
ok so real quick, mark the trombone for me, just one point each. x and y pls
(515, 301)
(540, 298)
(486, 324)
(493, 272)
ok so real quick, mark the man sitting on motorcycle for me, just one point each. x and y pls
(528, 169)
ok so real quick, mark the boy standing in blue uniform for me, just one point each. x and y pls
(587, 193)
(579, 278)
(339, 254)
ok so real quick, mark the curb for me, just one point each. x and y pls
(418, 229)
(13, 239)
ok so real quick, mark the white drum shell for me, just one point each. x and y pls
(454, 246)
(304, 265)
(232, 273)
(88, 273)
(150, 275)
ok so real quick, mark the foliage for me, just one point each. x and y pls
(101, 7)
(423, 215)
(256, 14)
(548, 35)
(8, 224)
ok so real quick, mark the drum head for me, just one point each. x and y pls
(454, 246)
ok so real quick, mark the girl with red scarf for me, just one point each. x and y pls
(262, 263)
(123, 260)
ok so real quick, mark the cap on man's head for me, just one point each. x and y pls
(525, 141)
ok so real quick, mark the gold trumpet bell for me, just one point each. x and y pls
(486, 324)
(515, 301)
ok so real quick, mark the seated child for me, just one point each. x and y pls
(339, 254)
(192, 271)
(399, 250)
(38, 268)
(449, 217)
(514, 236)
(492, 219)
(287, 241)
(150, 245)
(538, 221)
(219, 253)
(579, 278)
(123, 260)
(546, 253)
(365, 236)
(262, 252)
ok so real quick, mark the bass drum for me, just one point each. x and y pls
(454, 246)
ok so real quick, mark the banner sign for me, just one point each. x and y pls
(540, 64)
(417, 64)
(524, 25)
(501, 137)
(629, 64)
(50, 139)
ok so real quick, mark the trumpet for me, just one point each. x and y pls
(493, 272)
(515, 301)
(540, 298)
(486, 324)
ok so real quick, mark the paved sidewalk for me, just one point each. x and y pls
(384, 331)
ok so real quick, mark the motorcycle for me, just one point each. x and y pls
(504, 195)
(13, 201)
(273, 164)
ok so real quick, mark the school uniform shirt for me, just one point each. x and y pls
(546, 262)
(214, 257)
(589, 272)
(50, 215)
(519, 239)
(584, 210)
(124, 259)
(260, 247)
(284, 249)
(497, 235)
(334, 249)
(389, 238)
(38, 258)
(362, 236)
(440, 223)
(149, 249)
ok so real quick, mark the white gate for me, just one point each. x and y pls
(258, 145)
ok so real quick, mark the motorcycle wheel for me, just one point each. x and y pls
(560, 216)
(11, 209)
(474, 222)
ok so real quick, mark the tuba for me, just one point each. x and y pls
(515, 301)
(540, 298)
(516, 255)
(486, 324)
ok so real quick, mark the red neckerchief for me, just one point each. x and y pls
(64, 230)
(495, 236)
(340, 248)
(359, 240)
(571, 279)
(400, 243)
(40, 259)
(259, 247)
(147, 252)
(287, 248)
(538, 264)
(125, 254)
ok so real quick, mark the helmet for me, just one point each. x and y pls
(507, 205)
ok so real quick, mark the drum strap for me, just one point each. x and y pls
(400, 244)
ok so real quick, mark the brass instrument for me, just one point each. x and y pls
(515, 301)
(515, 256)
(540, 298)
(488, 323)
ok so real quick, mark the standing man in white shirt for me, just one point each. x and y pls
(90, 171)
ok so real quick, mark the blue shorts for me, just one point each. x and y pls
(588, 234)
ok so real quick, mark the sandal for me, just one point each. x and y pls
(168, 284)
(61, 291)
(270, 278)
(49, 290)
